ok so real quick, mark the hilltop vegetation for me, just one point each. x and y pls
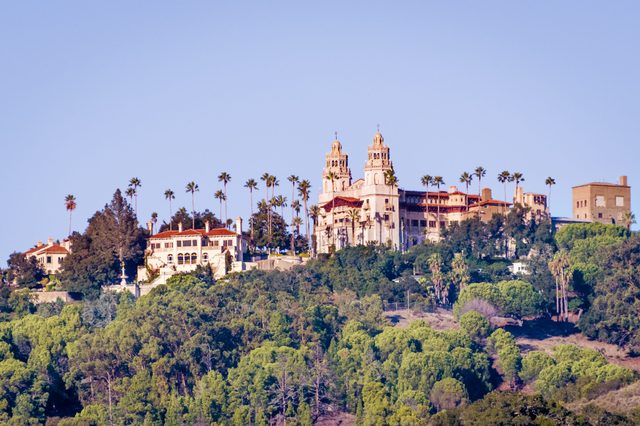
(265, 347)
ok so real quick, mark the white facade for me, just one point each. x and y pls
(172, 252)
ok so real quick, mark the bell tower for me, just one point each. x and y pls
(337, 163)
(380, 198)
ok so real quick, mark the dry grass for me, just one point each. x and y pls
(621, 401)
(439, 320)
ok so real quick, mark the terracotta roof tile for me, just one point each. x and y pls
(215, 232)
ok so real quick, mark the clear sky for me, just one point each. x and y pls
(93, 93)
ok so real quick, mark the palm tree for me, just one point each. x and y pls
(466, 178)
(251, 184)
(517, 177)
(219, 195)
(503, 178)
(193, 187)
(135, 183)
(130, 192)
(281, 201)
(479, 172)
(154, 220)
(354, 217)
(427, 181)
(549, 182)
(295, 205)
(437, 181)
(225, 178)
(169, 195)
(70, 204)
(391, 180)
(332, 177)
(314, 213)
(560, 268)
(628, 219)
(304, 188)
(266, 178)
(294, 181)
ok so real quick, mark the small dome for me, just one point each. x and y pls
(336, 146)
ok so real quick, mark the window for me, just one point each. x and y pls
(204, 242)
(599, 215)
(186, 243)
(432, 224)
(168, 245)
(414, 222)
(195, 243)
(577, 204)
(216, 243)
(600, 202)
(205, 257)
(48, 259)
(179, 243)
(423, 223)
(180, 259)
(619, 201)
(194, 258)
(170, 258)
(60, 259)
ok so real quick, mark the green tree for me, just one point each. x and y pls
(70, 204)
(134, 184)
(448, 394)
(192, 187)
(225, 178)
(479, 173)
(169, 195)
(251, 185)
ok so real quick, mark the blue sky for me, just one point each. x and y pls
(93, 93)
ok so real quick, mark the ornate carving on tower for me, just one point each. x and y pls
(337, 163)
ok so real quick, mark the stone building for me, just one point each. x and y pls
(369, 210)
(172, 252)
(602, 202)
(50, 255)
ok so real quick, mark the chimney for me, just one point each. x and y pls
(39, 243)
(179, 226)
(206, 226)
(239, 225)
(486, 194)
(49, 241)
(622, 180)
(453, 189)
(150, 227)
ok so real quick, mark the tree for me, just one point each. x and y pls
(549, 181)
(437, 278)
(134, 184)
(225, 178)
(332, 177)
(504, 177)
(560, 268)
(448, 394)
(466, 179)
(437, 181)
(628, 219)
(517, 178)
(169, 195)
(112, 238)
(475, 324)
(154, 220)
(354, 217)
(314, 213)
(304, 189)
(294, 181)
(25, 271)
(391, 180)
(70, 204)
(251, 185)
(219, 195)
(426, 181)
(479, 172)
(459, 272)
(192, 187)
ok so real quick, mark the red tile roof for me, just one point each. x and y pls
(215, 232)
(34, 249)
(491, 202)
(56, 249)
(341, 202)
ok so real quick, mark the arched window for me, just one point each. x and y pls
(194, 258)
(170, 259)
(205, 257)
(180, 259)
(187, 259)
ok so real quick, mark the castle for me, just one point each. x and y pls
(375, 210)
